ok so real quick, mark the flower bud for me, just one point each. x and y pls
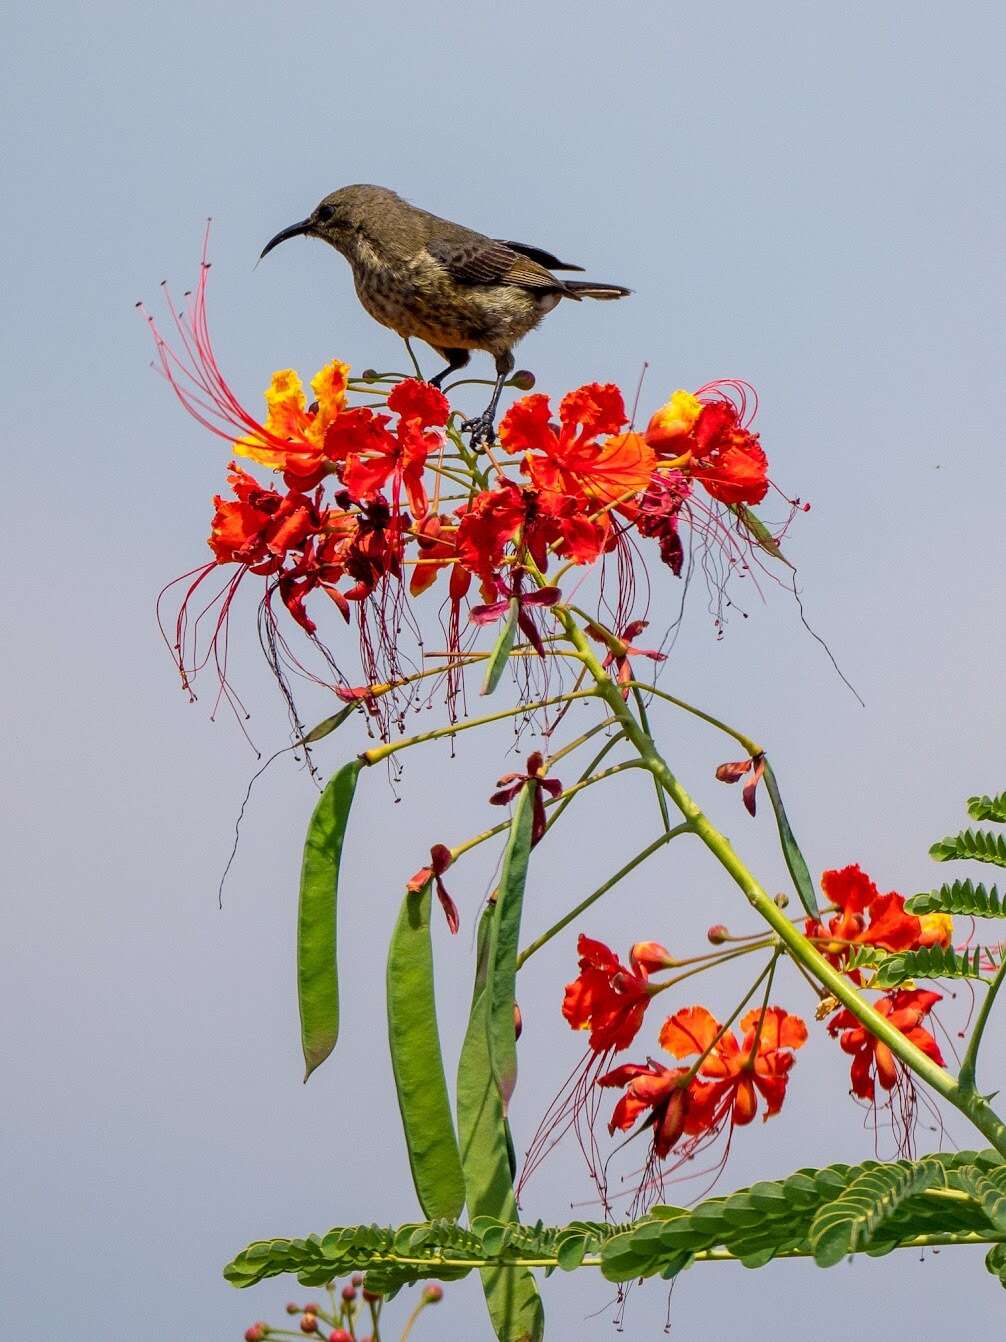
(372, 1297)
(349, 1293)
(256, 1332)
(308, 1323)
(523, 379)
(717, 934)
(781, 900)
(650, 955)
(311, 1307)
(340, 1335)
(357, 1277)
(433, 1294)
(518, 1022)
(293, 1309)
(370, 375)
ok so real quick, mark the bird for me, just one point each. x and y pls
(450, 286)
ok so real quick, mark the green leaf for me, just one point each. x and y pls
(328, 725)
(511, 1295)
(504, 935)
(849, 1222)
(758, 531)
(317, 966)
(995, 1262)
(988, 808)
(976, 844)
(963, 897)
(418, 1064)
(795, 863)
(501, 652)
(932, 962)
(988, 1188)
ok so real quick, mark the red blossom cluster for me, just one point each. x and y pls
(864, 917)
(365, 514)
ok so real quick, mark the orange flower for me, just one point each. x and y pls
(653, 1087)
(870, 1056)
(568, 458)
(731, 1074)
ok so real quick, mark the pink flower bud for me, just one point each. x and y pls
(433, 1294)
(717, 934)
(255, 1333)
(371, 1297)
(293, 1309)
(523, 379)
(308, 1323)
(310, 1308)
(349, 1293)
(339, 1335)
(357, 1277)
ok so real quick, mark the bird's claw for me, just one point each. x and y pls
(482, 430)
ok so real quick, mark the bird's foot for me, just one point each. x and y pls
(482, 430)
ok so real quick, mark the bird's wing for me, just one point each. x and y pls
(474, 259)
(542, 257)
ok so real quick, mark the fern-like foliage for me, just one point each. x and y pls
(963, 897)
(932, 962)
(988, 808)
(818, 1213)
(977, 844)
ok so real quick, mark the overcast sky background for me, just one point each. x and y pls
(808, 196)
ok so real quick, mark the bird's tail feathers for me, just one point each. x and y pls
(592, 289)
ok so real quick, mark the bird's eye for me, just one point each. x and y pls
(324, 213)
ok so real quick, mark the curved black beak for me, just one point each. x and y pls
(294, 231)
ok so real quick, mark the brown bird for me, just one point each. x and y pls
(454, 288)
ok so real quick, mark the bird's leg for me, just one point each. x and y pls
(483, 428)
(412, 356)
(456, 358)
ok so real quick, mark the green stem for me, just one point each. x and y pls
(412, 1318)
(585, 904)
(580, 740)
(605, 750)
(751, 747)
(389, 748)
(644, 722)
(969, 1103)
(966, 1079)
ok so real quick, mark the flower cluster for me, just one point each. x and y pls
(864, 917)
(380, 499)
(720, 1084)
(343, 1314)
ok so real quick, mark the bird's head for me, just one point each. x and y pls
(339, 217)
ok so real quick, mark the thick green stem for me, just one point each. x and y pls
(968, 1102)
(966, 1079)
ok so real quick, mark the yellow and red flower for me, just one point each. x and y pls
(292, 439)
(866, 917)
(705, 435)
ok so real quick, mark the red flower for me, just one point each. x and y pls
(658, 513)
(260, 525)
(496, 610)
(440, 860)
(511, 784)
(870, 1056)
(568, 458)
(607, 997)
(857, 898)
(653, 1087)
(705, 435)
(734, 770)
(373, 455)
(618, 657)
(731, 1076)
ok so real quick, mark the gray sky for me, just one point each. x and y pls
(804, 195)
